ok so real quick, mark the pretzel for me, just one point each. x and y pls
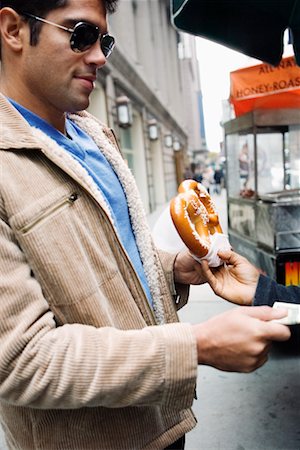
(195, 217)
(213, 222)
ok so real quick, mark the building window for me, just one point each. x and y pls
(127, 147)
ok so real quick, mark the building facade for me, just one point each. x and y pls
(148, 92)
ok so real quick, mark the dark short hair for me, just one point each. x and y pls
(42, 8)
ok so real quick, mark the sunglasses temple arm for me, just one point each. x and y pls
(40, 19)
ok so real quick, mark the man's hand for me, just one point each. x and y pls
(235, 281)
(239, 339)
(187, 270)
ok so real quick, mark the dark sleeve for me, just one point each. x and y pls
(268, 292)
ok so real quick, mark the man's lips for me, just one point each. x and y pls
(87, 80)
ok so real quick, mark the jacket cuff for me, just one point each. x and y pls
(266, 292)
(181, 362)
(269, 291)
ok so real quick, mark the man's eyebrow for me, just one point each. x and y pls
(72, 22)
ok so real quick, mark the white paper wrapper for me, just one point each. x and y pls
(167, 238)
(218, 242)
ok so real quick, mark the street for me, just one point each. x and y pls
(257, 411)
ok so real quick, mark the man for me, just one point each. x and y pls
(92, 356)
(239, 282)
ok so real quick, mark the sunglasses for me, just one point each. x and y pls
(83, 36)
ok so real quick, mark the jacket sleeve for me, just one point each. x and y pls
(46, 366)
(268, 292)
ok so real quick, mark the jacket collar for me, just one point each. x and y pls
(16, 133)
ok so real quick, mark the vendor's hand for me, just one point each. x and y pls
(235, 281)
(187, 270)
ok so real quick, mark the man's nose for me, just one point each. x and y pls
(95, 55)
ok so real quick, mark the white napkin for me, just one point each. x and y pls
(218, 242)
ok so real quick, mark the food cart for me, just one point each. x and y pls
(263, 190)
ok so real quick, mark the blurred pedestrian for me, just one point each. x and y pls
(218, 179)
(198, 174)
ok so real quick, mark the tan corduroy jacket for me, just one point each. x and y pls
(85, 363)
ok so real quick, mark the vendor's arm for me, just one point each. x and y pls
(238, 281)
(235, 281)
(268, 292)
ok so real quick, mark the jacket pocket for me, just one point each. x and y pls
(63, 239)
(43, 208)
(53, 209)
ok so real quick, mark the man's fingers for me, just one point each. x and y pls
(278, 332)
(265, 313)
(275, 331)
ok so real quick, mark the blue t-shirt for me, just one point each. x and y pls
(85, 151)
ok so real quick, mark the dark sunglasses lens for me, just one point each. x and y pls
(107, 45)
(83, 37)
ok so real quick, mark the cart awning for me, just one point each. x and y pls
(265, 87)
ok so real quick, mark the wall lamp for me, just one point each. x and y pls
(176, 145)
(153, 130)
(168, 140)
(124, 111)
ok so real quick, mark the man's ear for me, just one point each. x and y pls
(13, 29)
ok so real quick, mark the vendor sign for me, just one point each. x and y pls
(266, 87)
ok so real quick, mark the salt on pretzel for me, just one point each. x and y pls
(195, 217)
(213, 222)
